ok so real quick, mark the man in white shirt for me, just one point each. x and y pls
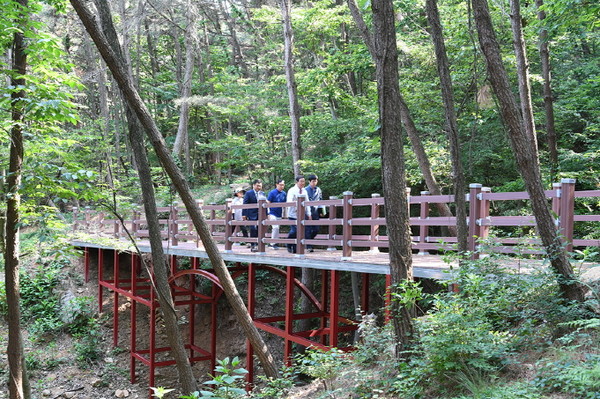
(292, 196)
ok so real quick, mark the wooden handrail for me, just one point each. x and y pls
(360, 221)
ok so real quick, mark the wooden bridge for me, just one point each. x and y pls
(352, 239)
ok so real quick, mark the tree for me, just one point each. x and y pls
(458, 177)
(524, 147)
(18, 382)
(161, 283)
(181, 185)
(392, 164)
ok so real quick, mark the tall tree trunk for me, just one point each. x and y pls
(392, 165)
(458, 177)
(182, 140)
(525, 153)
(407, 121)
(288, 35)
(161, 283)
(551, 136)
(181, 185)
(18, 382)
(523, 74)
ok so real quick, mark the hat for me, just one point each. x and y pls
(240, 190)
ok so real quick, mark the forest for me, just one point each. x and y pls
(371, 95)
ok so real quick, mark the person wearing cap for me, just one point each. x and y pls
(238, 199)
(276, 195)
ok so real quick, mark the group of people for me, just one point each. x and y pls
(278, 195)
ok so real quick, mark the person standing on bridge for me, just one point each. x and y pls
(252, 197)
(276, 195)
(314, 194)
(238, 199)
(297, 190)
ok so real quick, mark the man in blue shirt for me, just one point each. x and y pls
(276, 195)
(252, 197)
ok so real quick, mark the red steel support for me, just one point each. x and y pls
(116, 298)
(289, 314)
(334, 308)
(100, 272)
(347, 226)
(324, 302)
(251, 309)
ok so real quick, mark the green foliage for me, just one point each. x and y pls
(229, 383)
(580, 377)
(324, 365)
(87, 345)
(39, 301)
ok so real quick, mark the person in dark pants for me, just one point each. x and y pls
(292, 196)
(276, 195)
(314, 194)
(252, 197)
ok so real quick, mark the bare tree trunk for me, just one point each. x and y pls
(458, 177)
(182, 139)
(407, 121)
(288, 35)
(237, 57)
(523, 74)
(525, 153)
(161, 283)
(551, 136)
(181, 185)
(392, 165)
(18, 382)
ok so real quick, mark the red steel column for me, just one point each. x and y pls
(289, 314)
(116, 299)
(324, 303)
(100, 272)
(133, 317)
(347, 227)
(334, 308)
(251, 309)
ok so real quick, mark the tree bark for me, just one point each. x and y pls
(18, 382)
(392, 165)
(407, 121)
(288, 35)
(182, 140)
(458, 177)
(161, 281)
(551, 136)
(181, 185)
(525, 154)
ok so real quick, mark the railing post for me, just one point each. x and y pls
(199, 204)
(567, 212)
(423, 229)
(174, 230)
(262, 228)
(484, 206)
(135, 220)
(213, 216)
(474, 216)
(300, 227)
(116, 228)
(556, 202)
(347, 226)
(375, 228)
(228, 227)
(87, 217)
(331, 228)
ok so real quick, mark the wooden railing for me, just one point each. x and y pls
(358, 223)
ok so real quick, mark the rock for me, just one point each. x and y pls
(68, 395)
(121, 393)
(97, 382)
(46, 392)
(109, 360)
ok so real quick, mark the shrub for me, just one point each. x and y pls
(576, 377)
